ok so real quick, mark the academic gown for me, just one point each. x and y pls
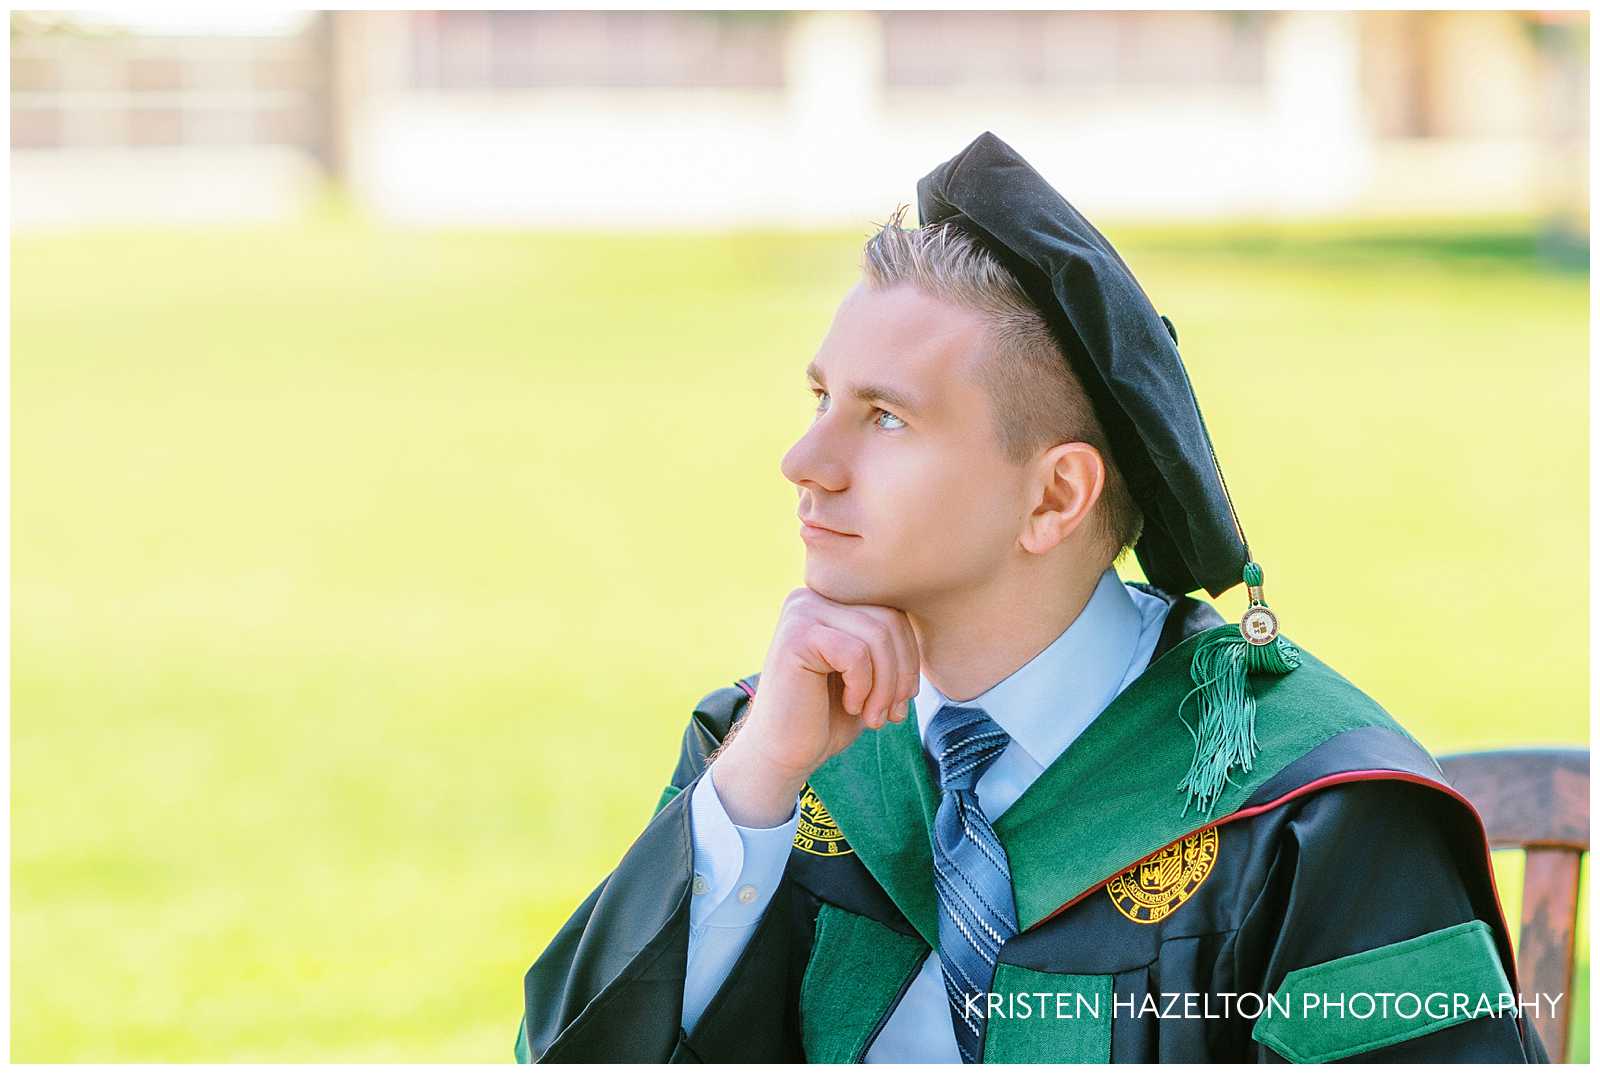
(1341, 867)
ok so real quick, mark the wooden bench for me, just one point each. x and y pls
(1536, 800)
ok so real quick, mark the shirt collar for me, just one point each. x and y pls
(1047, 702)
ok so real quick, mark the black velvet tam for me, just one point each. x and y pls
(1125, 353)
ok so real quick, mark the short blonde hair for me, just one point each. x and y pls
(1038, 399)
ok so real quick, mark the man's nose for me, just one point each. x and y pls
(816, 459)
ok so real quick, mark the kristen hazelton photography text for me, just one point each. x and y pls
(847, 536)
(1434, 1006)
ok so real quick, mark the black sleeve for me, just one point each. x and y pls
(609, 987)
(1363, 865)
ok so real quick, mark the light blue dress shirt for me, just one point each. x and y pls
(1043, 705)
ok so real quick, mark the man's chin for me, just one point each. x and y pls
(846, 587)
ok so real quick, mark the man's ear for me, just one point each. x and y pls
(1070, 479)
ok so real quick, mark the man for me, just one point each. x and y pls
(987, 802)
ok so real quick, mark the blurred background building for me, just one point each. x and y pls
(695, 119)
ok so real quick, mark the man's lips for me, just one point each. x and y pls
(806, 522)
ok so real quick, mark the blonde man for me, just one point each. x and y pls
(987, 802)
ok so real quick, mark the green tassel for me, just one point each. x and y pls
(1226, 736)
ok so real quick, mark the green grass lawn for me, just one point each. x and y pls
(363, 581)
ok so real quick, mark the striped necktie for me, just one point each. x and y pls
(970, 874)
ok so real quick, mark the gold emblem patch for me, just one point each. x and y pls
(818, 833)
(1164, 881)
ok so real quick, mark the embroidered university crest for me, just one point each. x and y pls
(1164, 881)
(818, 833)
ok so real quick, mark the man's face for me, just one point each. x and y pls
(913, 472)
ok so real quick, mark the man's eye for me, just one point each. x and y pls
(822, 400)
(886, 414)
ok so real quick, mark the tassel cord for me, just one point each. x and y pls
(1224, 735)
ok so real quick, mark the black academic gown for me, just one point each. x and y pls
(1341, 872)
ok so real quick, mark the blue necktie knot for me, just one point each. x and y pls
(964, 741)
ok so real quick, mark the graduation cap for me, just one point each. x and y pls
(1126, 356)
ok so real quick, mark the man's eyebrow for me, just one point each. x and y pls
(883, 393)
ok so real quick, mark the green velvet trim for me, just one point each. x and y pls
(881, 784)
(856, 971)
(666, 796)
(523, 1053)
(1069, 1023)
(1091, 814)
(1302, 1026)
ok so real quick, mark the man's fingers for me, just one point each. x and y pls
(885, 674)
(878, 636)
(902, 679)
(851, 657)
(894, 659)
(908, 663)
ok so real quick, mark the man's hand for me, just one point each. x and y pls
(831, 670)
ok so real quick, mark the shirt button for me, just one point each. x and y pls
(747, 894)
(701, 884)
